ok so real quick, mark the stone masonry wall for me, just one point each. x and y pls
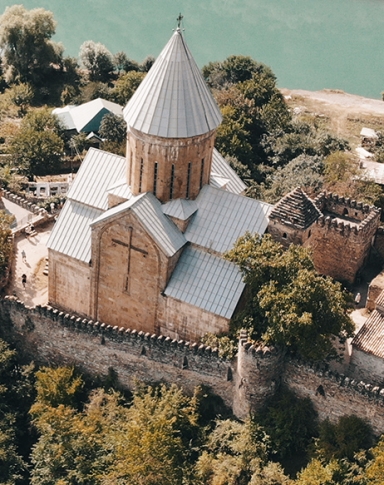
(335, 395)
(52, 337)
(191, 159)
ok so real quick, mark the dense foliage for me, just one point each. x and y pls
(55, 428)
(288, 303)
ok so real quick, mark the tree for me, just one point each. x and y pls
(37, 148)
(125, 86)
(288, 303)
(304, 171)
(343, 439)
(25, 40)
(21, 95)
(237, 453)
(124, 63)
(97, 59)
(113, 129)
(6, 244)
(290, 422)
(147, 64)
(250, 109)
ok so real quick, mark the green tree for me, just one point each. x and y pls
(6, 243)
(290, 422)
(343, 439)
(37, 148)
(147, 63)
(25, 41)
(97, 59)
(123, 63)
(304, 171)
(21, 95)
(125, 86)
(113, 128)
(287, 302)
(237, 454)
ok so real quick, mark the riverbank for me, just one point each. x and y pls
(340, 113)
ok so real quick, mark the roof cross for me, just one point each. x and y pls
(179, 19)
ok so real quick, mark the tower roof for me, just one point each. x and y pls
(296, 209)
(173, 100)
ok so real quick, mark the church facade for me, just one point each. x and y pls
(139, 242)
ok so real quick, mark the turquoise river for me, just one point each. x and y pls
(309, 44)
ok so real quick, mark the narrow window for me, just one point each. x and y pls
(141, 175)
(155, 178)
(345, 212)
(188, 179)
(309, 234)
(284, 235)
(172, 182)
(202, 173)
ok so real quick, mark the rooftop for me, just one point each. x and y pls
(173, 100)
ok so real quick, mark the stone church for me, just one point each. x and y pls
(139, 242)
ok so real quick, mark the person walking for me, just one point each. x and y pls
(24, 256)
(24, 279)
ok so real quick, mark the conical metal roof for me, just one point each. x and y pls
(173, 100)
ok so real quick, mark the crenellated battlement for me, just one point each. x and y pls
(50, 336)
(323, 372)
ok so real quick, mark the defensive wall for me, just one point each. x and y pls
(51, 337)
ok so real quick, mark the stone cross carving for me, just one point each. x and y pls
(179, 19)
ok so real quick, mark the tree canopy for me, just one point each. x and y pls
(288, 303)
(97, 59)
(37, 147)
(25, 40)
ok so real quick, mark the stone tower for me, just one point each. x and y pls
(171, 122)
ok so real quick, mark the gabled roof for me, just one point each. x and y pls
(296, 209)
(222, 170)
(180, 208)
(370, 337)
(173, 100)
(149, 212)
(71, 234)
(206, 281)
(87, 117)
(98, 171)
(223, 217)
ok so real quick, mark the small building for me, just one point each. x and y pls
(86, 118)
(340, 231)
(367, 359)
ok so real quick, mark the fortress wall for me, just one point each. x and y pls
(335, 395)
(52, 337)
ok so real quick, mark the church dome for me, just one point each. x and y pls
(173, 100)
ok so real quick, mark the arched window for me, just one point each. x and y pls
(345, 212)
(141, 175)
(172, 182)
(201, 173)
(155, 170)
(188, 179)
(284, 235)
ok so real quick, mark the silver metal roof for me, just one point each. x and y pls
(218, 181)
(149, 212)
(98, 171)
(173, 100)
(222, 217)
(72, 232)
(206, 281)
(180, 208)
(222, 170)
(121, 189)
